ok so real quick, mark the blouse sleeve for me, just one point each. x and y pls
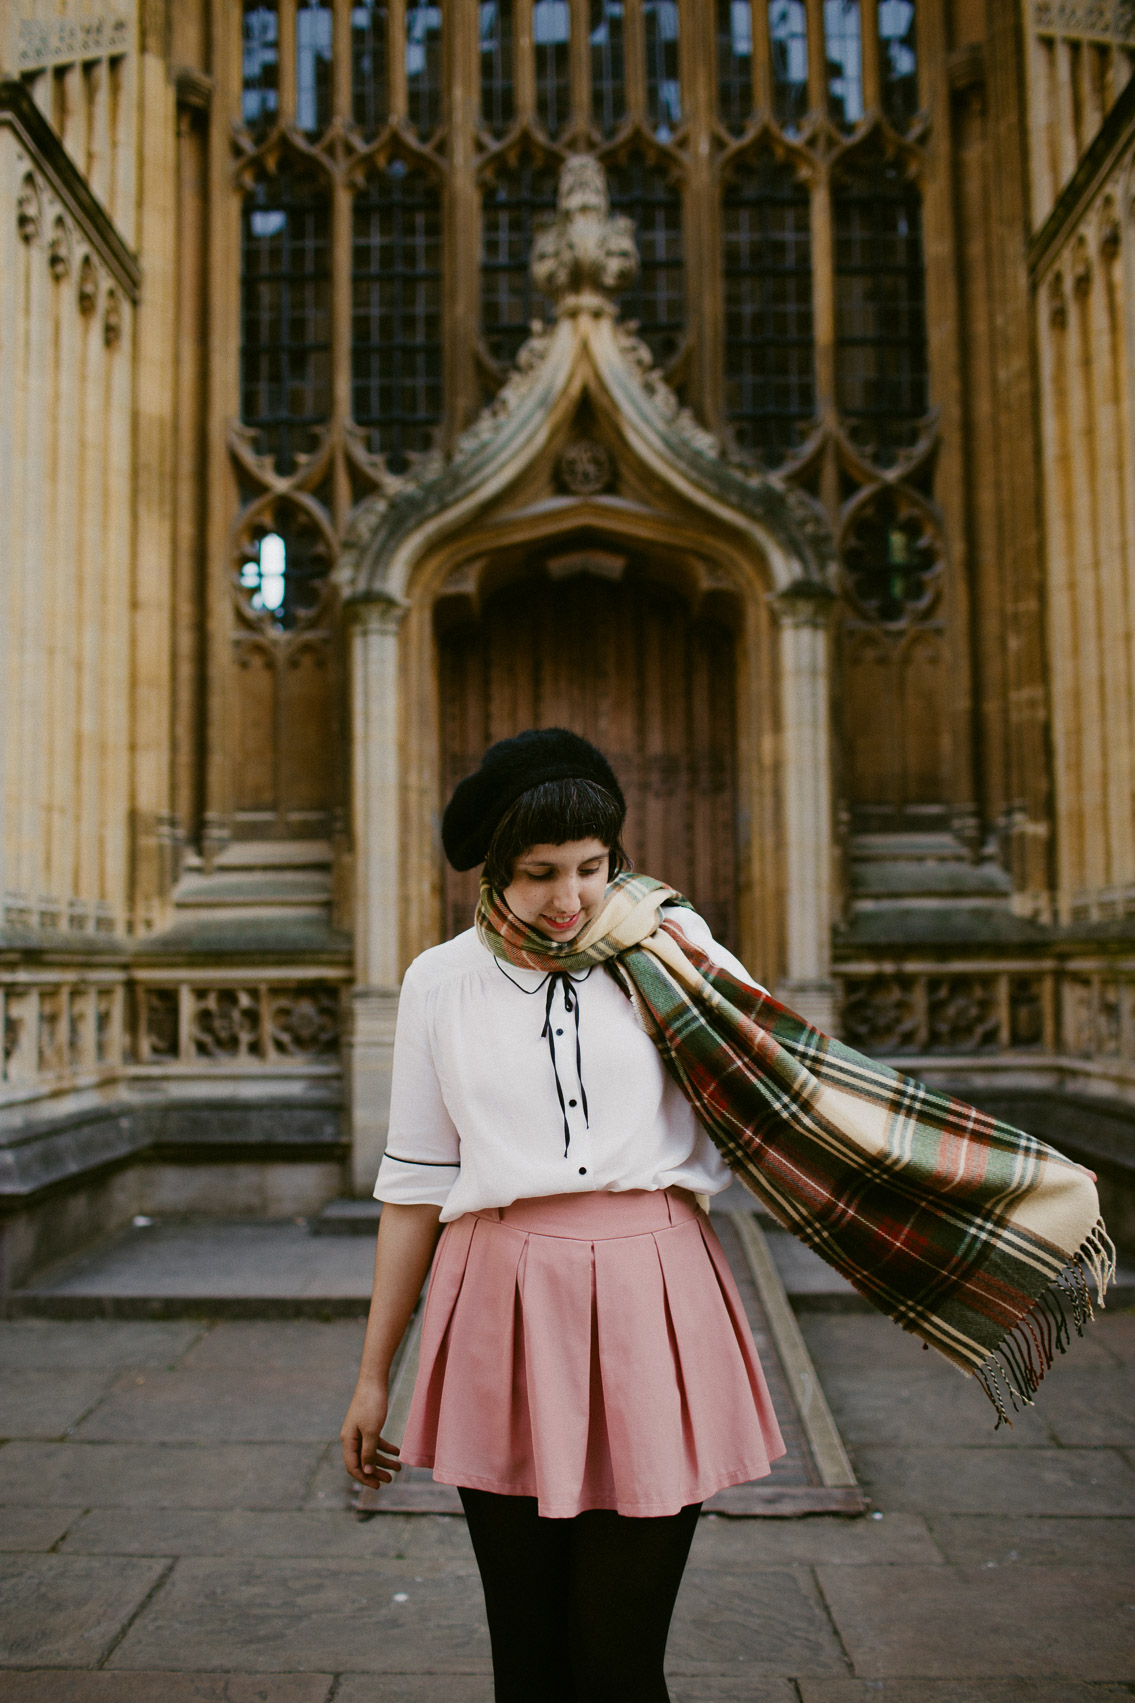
(696, 929)
(423, 1150)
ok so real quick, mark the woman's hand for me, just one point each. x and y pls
(367, 1456)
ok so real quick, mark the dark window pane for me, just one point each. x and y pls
(498, 103)
(370, 75)
(551, 40)
(512, 207)
(608, 73)
(663, 88)
(313, 66)
(767, 264)
(260, 66)
(898, 61)
(843, 49)
(284, 569)
(657, 297)
(788, 44)
(423, 66)
(396, 352)
(286, 312)
(734, 63)
(881, 360)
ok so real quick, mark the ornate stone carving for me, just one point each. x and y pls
(104, 1025)
(1105, 20)
(881, 1014)
(225, 1023)
(50, 1031)
(1026, 1011)
(59, 249)
(304, 1021)
(112, 320)
(29, 213)
(161, 1026)
(88, 287)
(588, 254)
(585, 467)
(77, 1031)
(962, 1014)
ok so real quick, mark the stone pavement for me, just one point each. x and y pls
(174, 1525)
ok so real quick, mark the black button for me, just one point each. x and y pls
(573, 1102)
(559, 1031)
(583, 1170)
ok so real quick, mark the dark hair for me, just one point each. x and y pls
(552, 814)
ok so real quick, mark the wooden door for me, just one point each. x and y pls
(626, 665)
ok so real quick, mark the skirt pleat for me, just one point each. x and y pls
(592, 1351)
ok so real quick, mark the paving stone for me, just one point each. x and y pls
(240, 1532)
(958, 1691)
(1097, 1408)
(928, 1404)
(707, 1690)
(47, 1404)
(197, 1406)
(860, 1342)
(1117, 1332)
(135, 1475)
(765, 1622)
(66, 1611)
(416, 1688)
(947, 1622)
(330, 1487)
(266, 1616)
(995, 1481)
(741, 1544)
(61, 1687)
(303, 1347)
(34, 1528)
(974, 1540)
(48, 1345)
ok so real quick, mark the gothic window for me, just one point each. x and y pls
(767, 263)
(551, 41)
(898, 61)
(663, 84)
(843, 47)
(286, 311)
(891, 559)
(283, 569)
(260, 66)
(498, 105)
(370, 75)
(608, 66)
(788, 43)
(512, 204)
(734, 63)
(396, 292)
(423, 66)
(656, 299)
(313, 66)
(881, 355)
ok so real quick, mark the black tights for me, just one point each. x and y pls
(579, 1609)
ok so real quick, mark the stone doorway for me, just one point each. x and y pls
(613, 654)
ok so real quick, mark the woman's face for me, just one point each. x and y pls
(558, 889)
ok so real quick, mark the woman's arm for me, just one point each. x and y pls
(407, 1236)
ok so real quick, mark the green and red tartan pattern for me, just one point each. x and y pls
(959, 1227)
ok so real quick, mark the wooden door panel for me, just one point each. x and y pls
(627, 666)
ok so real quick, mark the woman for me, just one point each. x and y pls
(587, 1376)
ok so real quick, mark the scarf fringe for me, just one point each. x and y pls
(1014, 1370)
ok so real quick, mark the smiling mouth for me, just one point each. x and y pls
(560, 924)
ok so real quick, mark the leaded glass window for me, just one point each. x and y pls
(881, 355)
(898, 61)
(396, 296)
(767, 264)
(607, 21)
(283, 571)
(498, 101)
(313, 66)
(370, 74)
(286, 311)
(788, 44)
(512, 207)
(843, 49)
(734, 63)
(551, 42)
(260, 66)
(423, 66)
(663, 82)
(657, 297)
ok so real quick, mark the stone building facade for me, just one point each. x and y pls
(745, 383)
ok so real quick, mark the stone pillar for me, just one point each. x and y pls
(803, 613)
(374, 808)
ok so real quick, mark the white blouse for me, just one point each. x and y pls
(475, 1116)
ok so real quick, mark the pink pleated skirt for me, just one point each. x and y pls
(590, 1350)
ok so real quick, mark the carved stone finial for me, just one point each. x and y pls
(588, 255)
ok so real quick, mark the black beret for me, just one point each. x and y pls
(511, 767)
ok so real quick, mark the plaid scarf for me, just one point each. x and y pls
(961, 1228)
